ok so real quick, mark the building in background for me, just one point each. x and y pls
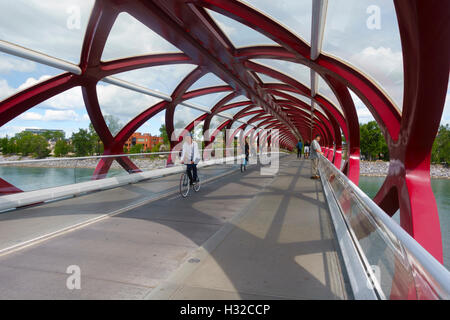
(146, 140)
(44, 131)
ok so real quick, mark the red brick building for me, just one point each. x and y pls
(148, 141)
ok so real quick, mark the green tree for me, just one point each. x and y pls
(440, 153)
(137, 148)
(113, 123)
(28, 143)
(40, 146)
(82, 143)
(95, 140)
(53, 135)
(163, 134)
(372, 141)
(4, 145)
(61, 148)
(156, 147)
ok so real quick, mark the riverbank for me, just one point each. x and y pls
(367, 168)
(380, 169)
(143, 162)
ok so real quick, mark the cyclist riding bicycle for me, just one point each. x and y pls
(190, 156)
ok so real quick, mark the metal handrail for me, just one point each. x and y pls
(433, 268)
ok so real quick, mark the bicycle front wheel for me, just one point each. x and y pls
(197, 185)
(184, 185)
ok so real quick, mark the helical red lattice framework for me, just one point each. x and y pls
(425, 35)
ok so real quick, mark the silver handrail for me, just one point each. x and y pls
(432, 270)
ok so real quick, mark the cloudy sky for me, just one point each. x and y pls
(48, 27)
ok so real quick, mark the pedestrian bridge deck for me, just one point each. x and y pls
(242, 236)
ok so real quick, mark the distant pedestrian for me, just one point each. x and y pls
(307, 145)
(299, 149)
(315, 151)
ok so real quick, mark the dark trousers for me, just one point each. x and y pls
(191, 171)
(299, 153)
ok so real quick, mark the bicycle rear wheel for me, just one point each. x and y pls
(184, 185)
(197, 185)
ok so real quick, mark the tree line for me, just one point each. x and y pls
(85, 142)
(373, 146)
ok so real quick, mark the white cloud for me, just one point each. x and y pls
(122, 103)
(42, 26)
(30, 116)
(5, 89)
(32, 81)
(70, 99)
(51, 115)
(129, 37)
(381, 62)
(60, 115)
(10, 63)
(10, 131)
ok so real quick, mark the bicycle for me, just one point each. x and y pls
(185, 185)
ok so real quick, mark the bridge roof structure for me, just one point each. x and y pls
(302, 67)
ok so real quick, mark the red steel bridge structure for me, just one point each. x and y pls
(424, 28)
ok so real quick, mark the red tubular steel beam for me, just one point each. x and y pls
(425, 34)
(198, 40)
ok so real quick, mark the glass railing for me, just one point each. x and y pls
(37, 174)
(396, 265)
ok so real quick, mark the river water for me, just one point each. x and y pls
(28, 179)
(441, 189)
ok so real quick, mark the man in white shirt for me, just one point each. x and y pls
(190, 156)
(315, 150)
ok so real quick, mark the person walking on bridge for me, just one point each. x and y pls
(306, 150)
(299, 149)
(315, 151)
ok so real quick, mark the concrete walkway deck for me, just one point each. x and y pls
(242, 236)
(281, 247)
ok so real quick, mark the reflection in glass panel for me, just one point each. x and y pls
(238, 99)
(294, 70)
(319, 108)
(353, 33)
(246, 118)
(235, 125)
(239, 34)
(266, 79)
(198, 131)
(294, 15)
(298, 96)
(208, 101)
(51, 27)
(153, 124)
(364, 115)
(183, 116)
(446, 113)
(129, 37)
(122, 105)
(256, 123)
(233, 111)
(325, 90)
(208, 80)
(160, 78)
(216, 121)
